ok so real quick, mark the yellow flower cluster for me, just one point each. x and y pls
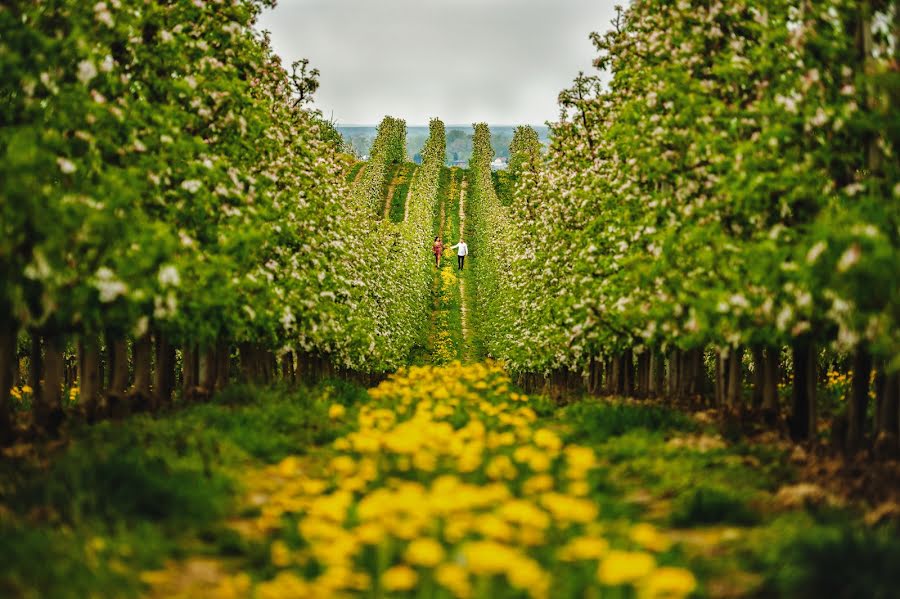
(448, 479)
(20, 393)
(449, 279)
(838, 384)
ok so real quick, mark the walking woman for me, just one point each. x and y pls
(438, 249)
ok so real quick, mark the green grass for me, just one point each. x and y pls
(833, 560)
(711, 505)
(600, 420)
(660, 465)
(398, 201)
(390, 173)
(354, 170)
(121, 497)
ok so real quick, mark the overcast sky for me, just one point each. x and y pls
(499, 61)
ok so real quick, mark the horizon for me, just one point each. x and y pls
(446, 125)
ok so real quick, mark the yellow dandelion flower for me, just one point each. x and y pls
(668, 583)
(649, 537)
(424, 552)
(280, 554)
(537, 484)
(336, 411)
(583, 548)
(454, 578)
(547, 439)
(399, 578)
(625, 567)
(488, 557)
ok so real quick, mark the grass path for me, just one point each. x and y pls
(445, 340)
(396, 177)
(360, 168)
(463, 297)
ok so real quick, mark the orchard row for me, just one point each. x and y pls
(720, 217)
(173, 211)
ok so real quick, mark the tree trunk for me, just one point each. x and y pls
(8, 362)
(592, 377)
(888, 440)
(721, 378)
(36, 367)
(771, 359)
(628, 373)
(189, 371)
(48, 405)
(210, 374)
(119, 374)
(223, 369)
(118, 384)
(287, 367)
(682, 390)
(163, 377)
(759, 376)
(247, 362)
(615, 377)
(859, 398)
(143, 367)
(803, 396)
(90, 377)
(642, 386)
(735, 388)
(609, 387)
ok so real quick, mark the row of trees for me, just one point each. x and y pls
(397, 271)
(389, 148)
(722, 214)
(170, 203)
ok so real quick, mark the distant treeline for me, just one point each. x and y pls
(459, 140)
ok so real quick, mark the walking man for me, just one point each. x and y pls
(461, 253)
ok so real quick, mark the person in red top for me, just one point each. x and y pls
(438, 249)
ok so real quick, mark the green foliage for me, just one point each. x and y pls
(598, 421)
(398, 200)
(711, 505)
(834, 561)
(682, 207)
(524, 151)
(205, 203)
(122, 497)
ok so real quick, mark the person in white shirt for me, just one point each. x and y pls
(461, 253)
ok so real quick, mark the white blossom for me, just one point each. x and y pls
(191, 185)
(108, 285)
(784, 318)
(66, 165)
(849, 258)
(169, 277)
(141, 326)
(815, 251)
(86, 71)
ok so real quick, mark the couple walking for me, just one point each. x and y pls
(461, 253)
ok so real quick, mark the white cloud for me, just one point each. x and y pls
(500, 61)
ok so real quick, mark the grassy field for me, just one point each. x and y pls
(410, 488)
